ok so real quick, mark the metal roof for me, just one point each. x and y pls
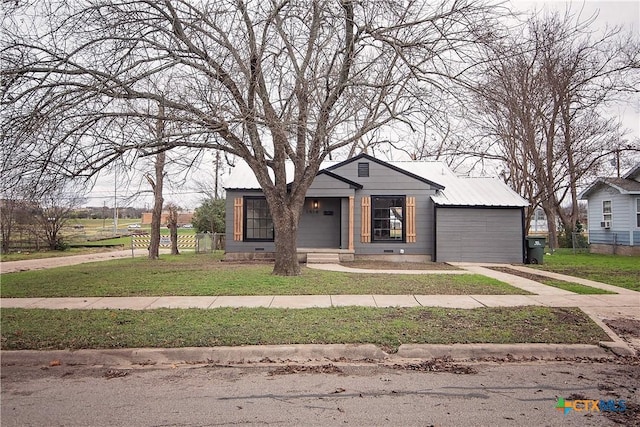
(478, 192)
(243, 178)
(468, 192)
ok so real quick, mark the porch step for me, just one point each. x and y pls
(323, 258)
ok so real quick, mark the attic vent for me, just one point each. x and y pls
(363, 169)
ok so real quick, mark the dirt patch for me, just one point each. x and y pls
(389, 265)
(628, 330)
(437, 365)
(568, 316)
(115, 373)
(625, 328)
(535, 277)
(314, 369)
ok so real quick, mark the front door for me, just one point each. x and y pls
(320, 224)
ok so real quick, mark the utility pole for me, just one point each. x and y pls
(115, 202)
(217, 168)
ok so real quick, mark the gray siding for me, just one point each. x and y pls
(320, 228)
(383, 181)
(326, 186)
(479, 235)
(623, 219)
(239, 246)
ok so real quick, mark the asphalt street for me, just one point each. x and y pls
(326, 393)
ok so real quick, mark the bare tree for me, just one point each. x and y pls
(540, 105)
(157, 184)
(173, 211)
(269, 82)
(55, 209)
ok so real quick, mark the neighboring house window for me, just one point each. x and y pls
(388, 218)
(363, 169)
(258, 222)
(606, 210)
(638, 212)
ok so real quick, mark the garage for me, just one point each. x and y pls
(479, 220)
(479, 235)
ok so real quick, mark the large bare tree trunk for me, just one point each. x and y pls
(157, 186)
(286, 236)
(286, 215)
(158, 201)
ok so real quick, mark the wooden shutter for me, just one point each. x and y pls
(365, 233)
(411, 219)
(351, 220)
(237, 219)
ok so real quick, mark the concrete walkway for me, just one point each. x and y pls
(62, 261)
(624, 304)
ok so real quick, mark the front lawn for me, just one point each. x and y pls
(388, 328)
(617, 270)
(191, 274)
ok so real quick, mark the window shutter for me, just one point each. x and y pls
(237, 219)
(365, 234)
(411, 219)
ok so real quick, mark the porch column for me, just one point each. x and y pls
(351, 207)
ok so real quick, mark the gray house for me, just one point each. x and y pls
(614, 214)
(365, 208)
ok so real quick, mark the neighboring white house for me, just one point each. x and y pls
(614, 213)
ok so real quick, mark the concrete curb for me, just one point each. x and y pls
(481, 351)
(194, 355)
(295, 354)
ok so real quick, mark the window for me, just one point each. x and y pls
(363, 169)
(606, 210)
(638, 212)
(258, 223)
(388, 219)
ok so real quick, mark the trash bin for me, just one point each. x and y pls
(535, 249)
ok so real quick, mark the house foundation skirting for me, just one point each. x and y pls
(599, 248)
(344, 255)
(394, 258)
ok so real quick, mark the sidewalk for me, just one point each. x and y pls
(624, 304)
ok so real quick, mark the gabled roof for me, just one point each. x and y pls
(451, 189)
(352, 184)
(626, 185)
(634, 173)
(243, 178)
(391, 165)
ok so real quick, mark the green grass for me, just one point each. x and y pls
(617, 270)
(386, 327)
(124, 241)
(575, 287)
(556, 283)
(191, 274)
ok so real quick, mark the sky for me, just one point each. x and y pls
(625, 13)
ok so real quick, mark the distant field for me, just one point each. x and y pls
(99, 232)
